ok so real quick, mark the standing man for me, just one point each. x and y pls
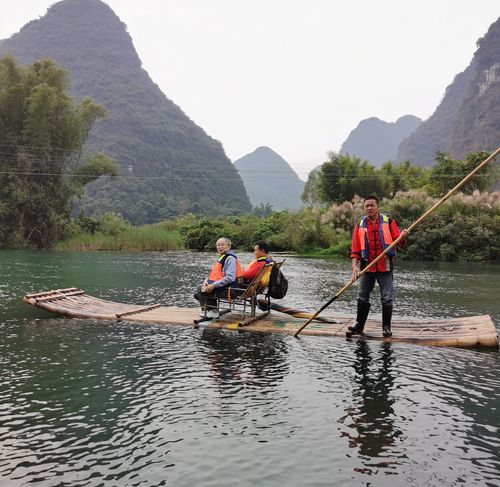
(223, 276)
(371, 236)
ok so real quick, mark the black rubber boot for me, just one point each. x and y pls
(361, 316)
(386, 320)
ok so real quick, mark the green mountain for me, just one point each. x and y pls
(468, 118)
(377, 141)
(477, 125)
(169, 165)
(268, 178)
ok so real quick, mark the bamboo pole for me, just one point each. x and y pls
(409, 229)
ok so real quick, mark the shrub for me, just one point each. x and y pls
(113, 224)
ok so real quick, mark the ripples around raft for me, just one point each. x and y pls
(86, 403)
(90, 404)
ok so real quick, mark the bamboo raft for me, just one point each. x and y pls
(469, 332)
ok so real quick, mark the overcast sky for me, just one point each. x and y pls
(294, 75)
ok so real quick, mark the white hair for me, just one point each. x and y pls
(225, 240)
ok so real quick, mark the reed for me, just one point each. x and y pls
(141, 239)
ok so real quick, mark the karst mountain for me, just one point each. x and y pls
(168, 164)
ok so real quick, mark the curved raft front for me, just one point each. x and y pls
(471, 331)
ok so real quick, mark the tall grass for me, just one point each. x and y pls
(146, 238)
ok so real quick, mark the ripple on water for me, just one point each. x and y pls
(88, 403)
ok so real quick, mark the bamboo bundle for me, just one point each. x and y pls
(471, 331)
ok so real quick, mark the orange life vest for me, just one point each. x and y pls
(384, 232)
(217, 269)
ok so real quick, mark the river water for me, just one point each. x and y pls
(91, 403)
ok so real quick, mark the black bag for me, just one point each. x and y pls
(278, 284)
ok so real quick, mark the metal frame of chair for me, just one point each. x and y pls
(248, 296)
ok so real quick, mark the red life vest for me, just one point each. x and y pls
(252, 269)
(217, 273)
(384, 233)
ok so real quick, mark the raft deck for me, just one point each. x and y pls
(469, 332)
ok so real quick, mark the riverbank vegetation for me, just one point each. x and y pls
(112, 232)
(465, 228)
(42, 133)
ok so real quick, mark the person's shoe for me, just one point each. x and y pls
(386, 320)
(357, 329)
(361, 316)
(202, 314)
(212, 314)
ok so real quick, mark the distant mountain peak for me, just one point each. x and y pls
(377, 141)
(268, 178)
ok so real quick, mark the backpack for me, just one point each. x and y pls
(278, 284)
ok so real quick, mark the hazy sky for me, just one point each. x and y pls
(294, 75)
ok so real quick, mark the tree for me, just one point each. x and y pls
(342, 177)
(448, 172)
(263, 210)
(42, 168)
(402, 177)
(311, 195)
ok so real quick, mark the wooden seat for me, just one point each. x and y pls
(247, 297)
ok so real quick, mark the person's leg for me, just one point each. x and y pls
(366, 285)
(208, 302)
(201, 297)
(212, 304)
(385, 282)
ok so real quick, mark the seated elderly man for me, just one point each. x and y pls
(225, 275)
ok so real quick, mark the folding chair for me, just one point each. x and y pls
(248, 297)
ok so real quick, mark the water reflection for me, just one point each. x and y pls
(371, 414)
(237, 359)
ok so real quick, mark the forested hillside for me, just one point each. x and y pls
(168, 165)
(468, 118)
(477, 126)
(433, 134)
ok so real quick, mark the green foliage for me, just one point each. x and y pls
(112, 224)
(342, 177)
(401, 177)
(263, 210)
(112, 232)
(448, 172)
(156, 237)
(284, 231)
(202, 233)
(311, 195)
(95, 167)
(465, 228)
(341, 249)
(41, 134)
(86, 224)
